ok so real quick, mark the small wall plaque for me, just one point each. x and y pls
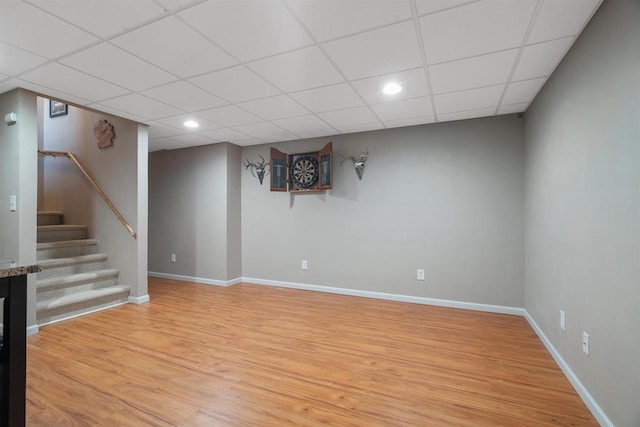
(103, 131)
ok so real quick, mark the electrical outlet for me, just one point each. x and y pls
(585, 343)
(173, 257)
(563, 325)
(304, 264)
(420, 274)
(13, 203)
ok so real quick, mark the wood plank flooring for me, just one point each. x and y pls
(249, 355)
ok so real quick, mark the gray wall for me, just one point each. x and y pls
(583, 208)
(18, 163)
(65, 189)
(190, 198)
(447, 198)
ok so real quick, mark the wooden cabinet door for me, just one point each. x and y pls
(278, 170)
(325, 158)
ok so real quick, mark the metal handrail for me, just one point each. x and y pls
(74, 159)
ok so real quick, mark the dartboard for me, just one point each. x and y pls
(304, 171)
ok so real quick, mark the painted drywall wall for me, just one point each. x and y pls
(18, 166)
(447, 198)
(582, 247)
(234, 212)
(117, 169)
(189, 204)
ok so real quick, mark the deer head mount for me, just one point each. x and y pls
(358, 163)
(260, 168)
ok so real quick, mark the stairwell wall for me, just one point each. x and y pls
(120, 170)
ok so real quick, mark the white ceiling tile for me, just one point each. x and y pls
(337, 18)
(67, 80)
(382, 51)
(473, 99)
(317, 133)
(229, 116)
(247, 142)
(420, 120)
(141, 106)
(185, 96)
(431, 6)
(475, 29)
(484, 70)
(7, 85)
(349, 117)
(365, 127)
(298, 70)
(102, 17)
(114, 64)
(175, 47)
(115, 112)
(405, 109)
(523, 91)
(539, 60)
(464, 115)
(267, 132)
(513, 108)
(248, 29)
(328, 98)
(413, 82)
(276, 107)
(27, 27)
(182, 141)
(303, 124)
(173, 4)
(159, 130)
(14, 61)
(178, 122)
(235, 84)
(561, 19)
(225, 134)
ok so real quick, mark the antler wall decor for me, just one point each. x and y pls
(260, 168)
(359, 163)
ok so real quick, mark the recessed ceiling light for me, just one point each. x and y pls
(191, 124)
(391, 88)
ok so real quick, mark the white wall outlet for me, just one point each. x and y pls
(173, 257)
(585, 343)
(304, 264)
(563, 326)
(13, 203)
(420, 274)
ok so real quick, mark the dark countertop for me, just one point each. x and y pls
(10, 269)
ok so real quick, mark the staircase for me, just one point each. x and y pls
(74, 279)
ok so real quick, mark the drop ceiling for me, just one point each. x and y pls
(255, 72)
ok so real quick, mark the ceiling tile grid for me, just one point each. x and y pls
(253, 71)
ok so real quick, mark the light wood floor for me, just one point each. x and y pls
(261, 356)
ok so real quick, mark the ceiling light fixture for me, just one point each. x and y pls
(191, 124)
(391, 88)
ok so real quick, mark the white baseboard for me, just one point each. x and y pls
(517, 311)
(138, 300)
(584, 394)
(200, 280)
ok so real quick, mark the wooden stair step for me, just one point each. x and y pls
(61, 227)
